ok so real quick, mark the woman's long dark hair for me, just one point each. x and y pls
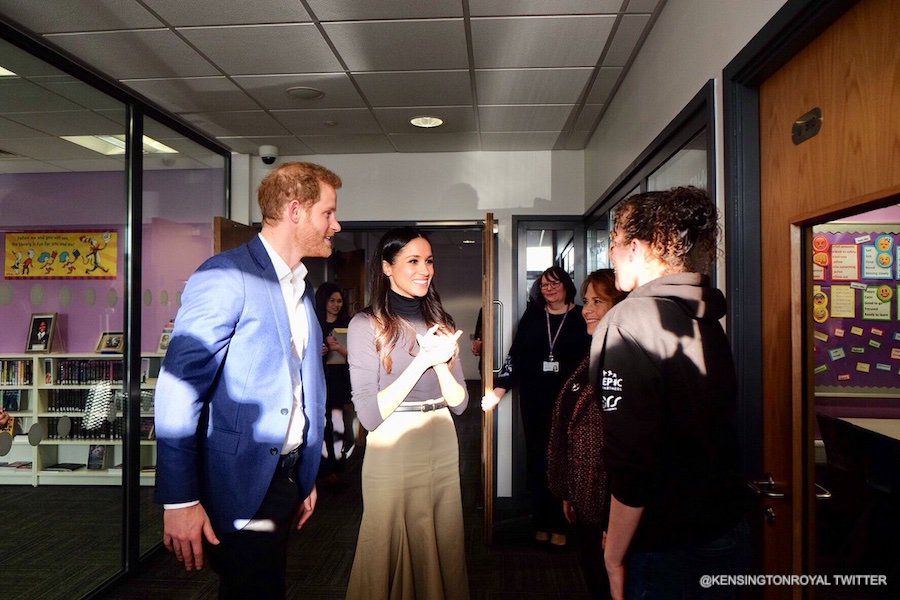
(323, 294)
(388, 325)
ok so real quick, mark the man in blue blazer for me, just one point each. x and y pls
(240, 400)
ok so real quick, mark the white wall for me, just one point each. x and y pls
(691, 43)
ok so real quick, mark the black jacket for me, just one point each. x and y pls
(663, 369)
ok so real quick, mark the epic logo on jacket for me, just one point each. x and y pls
(610, 382)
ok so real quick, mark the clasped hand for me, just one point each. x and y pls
(436, 348)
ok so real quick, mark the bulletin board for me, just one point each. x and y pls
(856, 306)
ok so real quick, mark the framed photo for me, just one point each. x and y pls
(111, 342)
(164, 339)
(40, 332)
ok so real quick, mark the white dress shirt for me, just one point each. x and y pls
(293, 284)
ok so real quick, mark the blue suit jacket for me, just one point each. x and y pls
(224, 394)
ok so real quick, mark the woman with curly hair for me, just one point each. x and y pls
(406, 380)
(663, 369)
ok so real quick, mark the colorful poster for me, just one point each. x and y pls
(61, 255)
(856, 308)
(845, 262)
(843, 302)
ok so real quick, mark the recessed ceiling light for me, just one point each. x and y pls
(305, 93)
(426, 121)
(6, 73)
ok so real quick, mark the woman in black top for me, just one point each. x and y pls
(332, 313)
(550, 342)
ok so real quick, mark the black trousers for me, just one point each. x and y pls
(252, 563)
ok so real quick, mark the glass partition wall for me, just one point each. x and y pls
(100, 229)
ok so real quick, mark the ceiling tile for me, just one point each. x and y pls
(136, 54)
(12, 129)
(193, 94)
(531, 86)
(642, 6)
(88, 164)
(436, 142)
(82, 122)
(179, 13)
(354, 10)
(524, 118)
(348, 144)
(18, 95)
(81, 93)
(416, 88)
(400, 45)
(47, 148)
(512, 141)
(270, 90)
(456, 118)
(577, 140)
(585, 120)
(24, 65)
(490, 8)
(567, 41)
(627, 36)
(603, 85)
(250, 122)
(262, 49)
(313, 122)
(78, 15)
(19, 165)
(287, 145)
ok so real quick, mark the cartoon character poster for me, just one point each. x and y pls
(856, 306)
(61, 255)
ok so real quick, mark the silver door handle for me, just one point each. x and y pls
(822, 493)
(765, 488)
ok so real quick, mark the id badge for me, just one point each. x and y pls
(551, 366)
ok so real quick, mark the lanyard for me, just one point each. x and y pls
(552, 340)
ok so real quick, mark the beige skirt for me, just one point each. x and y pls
(411, 541)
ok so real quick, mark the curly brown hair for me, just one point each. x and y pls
(293, 181)
(681, 225)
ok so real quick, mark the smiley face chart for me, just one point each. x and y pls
(856, 305)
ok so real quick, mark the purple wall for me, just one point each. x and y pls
(177, 227)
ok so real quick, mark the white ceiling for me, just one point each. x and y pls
(503, 74)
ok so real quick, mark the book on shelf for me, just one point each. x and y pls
(66, 466)
(12, 400)
(19, 465)
(96, 457)
(147, 428)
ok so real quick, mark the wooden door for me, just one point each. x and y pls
(487, 371)
(228, 234)
(851, 72)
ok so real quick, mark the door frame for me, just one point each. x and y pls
(790, 30)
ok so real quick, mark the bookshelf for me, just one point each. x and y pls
(77, 401)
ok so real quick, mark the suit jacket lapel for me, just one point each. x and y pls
(273, 291)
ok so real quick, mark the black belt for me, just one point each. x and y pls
(289, 461)
(421, 406)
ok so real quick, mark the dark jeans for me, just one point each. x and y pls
(251, 564)
(589, 542)
(675, 574)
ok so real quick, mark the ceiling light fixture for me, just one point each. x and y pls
(305, 93)
(6, 73)
(112, 145)
(426, 121)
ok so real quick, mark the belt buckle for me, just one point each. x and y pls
(428, 407)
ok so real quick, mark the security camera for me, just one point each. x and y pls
(268, 154)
